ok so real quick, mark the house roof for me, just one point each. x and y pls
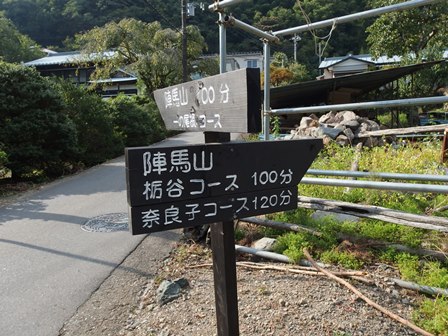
(317, 91)
(115, 80)
(382, 60)
(61, 58)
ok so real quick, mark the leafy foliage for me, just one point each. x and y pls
(408, 32)
(36, 134)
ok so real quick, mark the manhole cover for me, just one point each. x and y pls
(107, 223)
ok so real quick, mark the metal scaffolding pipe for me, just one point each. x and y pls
(231, 21)
(392, 176)
(363, 105)
(267, 91)
(219, 5)
(403, 187)
(355, 16)
(222, 44)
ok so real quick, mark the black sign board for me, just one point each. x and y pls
(171, 187)
(229, 102)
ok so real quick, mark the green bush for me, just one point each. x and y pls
(97, 139)
(3, 160)
(35, 132)
(137, 121)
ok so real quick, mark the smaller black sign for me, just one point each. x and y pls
(168, 216)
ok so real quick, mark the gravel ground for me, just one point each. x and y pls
(270, 303)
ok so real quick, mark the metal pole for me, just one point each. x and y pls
(355, 16)
(222, 43)
(218, 6)
(232, 22)
(184, 40)
(364, 105)
(392, 176)
(267, 89)
(295, 39)
(409, 187)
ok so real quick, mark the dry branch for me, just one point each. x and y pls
(366, 299)
(296, 270)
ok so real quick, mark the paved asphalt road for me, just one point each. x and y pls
(49, 266)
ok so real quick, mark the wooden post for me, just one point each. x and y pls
(224, 273)
(445, 146)
(224, 267)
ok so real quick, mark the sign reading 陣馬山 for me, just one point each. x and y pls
(171, 187)
(229, 102)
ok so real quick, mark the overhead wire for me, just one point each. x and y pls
(167, 21)
(317, 39)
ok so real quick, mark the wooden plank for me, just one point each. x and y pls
(229, 102)
(403, 131)
(375, 212)
(167, 174)
(169, 216)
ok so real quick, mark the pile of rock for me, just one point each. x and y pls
(343, 127)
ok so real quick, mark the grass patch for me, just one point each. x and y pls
(421, 158)
(432, 315)
(344, 259)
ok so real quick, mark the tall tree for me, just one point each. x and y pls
(15, 47)
(409, 32)
(145, 48)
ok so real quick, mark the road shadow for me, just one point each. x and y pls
(168, 236)
(35, 210)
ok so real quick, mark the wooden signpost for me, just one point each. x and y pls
(229, 102)
(219, 181)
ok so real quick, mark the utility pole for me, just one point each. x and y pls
(184, 40)
(295, 39)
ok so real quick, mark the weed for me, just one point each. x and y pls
(184, 251)
(431, 273)
(344, 259)
(432, 315)
(275, 126)
(292, 245)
